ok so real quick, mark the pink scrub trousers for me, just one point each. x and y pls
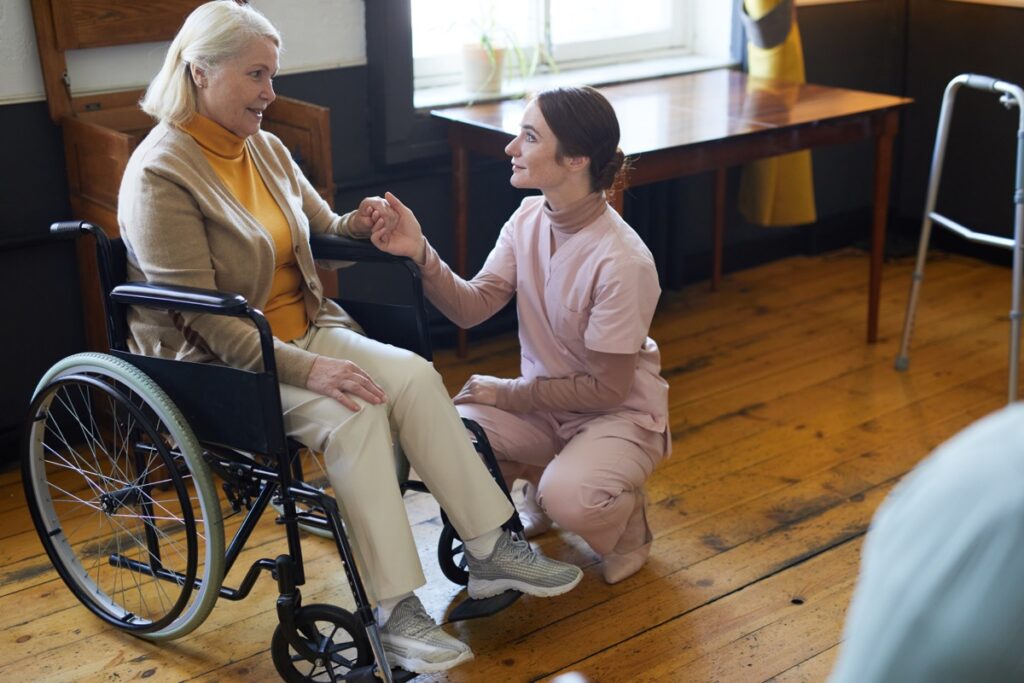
(588, 484)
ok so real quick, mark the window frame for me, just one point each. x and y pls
(439, 70)
(399, 132)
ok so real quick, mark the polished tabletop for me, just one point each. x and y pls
(691, 109)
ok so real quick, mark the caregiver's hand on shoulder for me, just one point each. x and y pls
(341, 380)
(405, 237)
(480, 389)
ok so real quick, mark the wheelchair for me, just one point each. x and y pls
(119, 459)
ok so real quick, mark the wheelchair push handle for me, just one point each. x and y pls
(72, 227)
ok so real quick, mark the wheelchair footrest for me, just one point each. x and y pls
(474, 609)
(366, 675)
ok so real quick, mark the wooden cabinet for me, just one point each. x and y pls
(101, 130)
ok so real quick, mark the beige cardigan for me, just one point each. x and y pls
(182, 226)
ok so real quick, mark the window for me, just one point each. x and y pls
(572, 32)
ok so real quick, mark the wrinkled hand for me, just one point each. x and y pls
(480, 389)
(374, 213)
(404, 237)
(341, 380)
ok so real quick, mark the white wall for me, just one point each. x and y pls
(318, 34)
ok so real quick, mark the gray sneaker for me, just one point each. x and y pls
(414, 641)
(514, 565)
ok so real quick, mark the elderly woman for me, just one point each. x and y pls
(587, 421)
(210, 200)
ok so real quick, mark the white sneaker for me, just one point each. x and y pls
(531, 514)
(414, 641)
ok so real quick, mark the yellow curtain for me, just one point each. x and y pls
(780, 190)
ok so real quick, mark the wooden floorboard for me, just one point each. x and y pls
(788, 431)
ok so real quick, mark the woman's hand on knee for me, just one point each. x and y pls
(341, 380)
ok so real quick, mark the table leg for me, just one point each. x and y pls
(883, 175)
(460, 212)
(718, 229)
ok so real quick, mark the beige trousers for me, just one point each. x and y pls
(358, 454)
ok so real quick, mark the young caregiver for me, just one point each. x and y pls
(586, 423)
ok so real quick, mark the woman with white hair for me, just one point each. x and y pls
(210, 200)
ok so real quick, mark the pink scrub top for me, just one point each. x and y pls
(598, 291)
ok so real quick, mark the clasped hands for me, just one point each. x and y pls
(396, 230)
(393, 228)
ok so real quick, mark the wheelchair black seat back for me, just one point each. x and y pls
(118, 465)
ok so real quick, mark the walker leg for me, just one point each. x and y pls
(903, 358)
(938, 154)
(1018, 266)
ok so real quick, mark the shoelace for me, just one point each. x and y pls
(523, 552)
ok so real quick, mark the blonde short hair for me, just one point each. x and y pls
(212, 33)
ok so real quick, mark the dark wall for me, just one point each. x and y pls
(858, 45)
(39, 278)
(947, 39)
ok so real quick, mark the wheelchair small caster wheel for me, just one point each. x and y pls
(335, 644)
(451, 555)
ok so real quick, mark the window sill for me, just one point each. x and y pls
(430, 98)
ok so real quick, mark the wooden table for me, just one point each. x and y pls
(706, 121)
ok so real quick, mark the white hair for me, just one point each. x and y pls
(212, 33)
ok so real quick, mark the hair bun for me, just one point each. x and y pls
(606, 176)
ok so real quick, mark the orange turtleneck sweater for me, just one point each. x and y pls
(229, 156)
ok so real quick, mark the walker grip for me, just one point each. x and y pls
(981, 82)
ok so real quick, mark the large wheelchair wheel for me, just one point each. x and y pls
(121, 498)
(309, 467)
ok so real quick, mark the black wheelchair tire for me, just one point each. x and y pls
(451, 555)
(92, 502)
(295, 667)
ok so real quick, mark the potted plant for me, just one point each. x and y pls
(483, 65)
(484, 61)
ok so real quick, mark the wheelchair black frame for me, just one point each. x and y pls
(284, 480)
(257, 427)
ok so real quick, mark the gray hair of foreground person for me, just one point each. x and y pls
(940, 595)
(212, 33)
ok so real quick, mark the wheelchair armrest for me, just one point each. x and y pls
(392, 312)
(195, 299)
(338, 248)
(177, 298)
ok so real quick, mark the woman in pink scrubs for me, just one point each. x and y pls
(586, 423)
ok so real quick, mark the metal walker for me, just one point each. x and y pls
(1010, 96)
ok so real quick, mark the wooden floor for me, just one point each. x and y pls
(788, 432)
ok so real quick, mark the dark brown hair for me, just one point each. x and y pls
(586, 126)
